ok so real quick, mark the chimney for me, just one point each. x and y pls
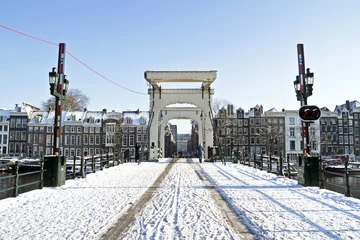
(104, 110)
(232, 109)
(228, 109)
(261, 109)
(348, 105)
(85, 109)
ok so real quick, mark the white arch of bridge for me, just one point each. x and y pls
(161, 98)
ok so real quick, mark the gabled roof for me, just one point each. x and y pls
(272, 110)
(352, 105)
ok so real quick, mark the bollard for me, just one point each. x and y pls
(74, 168)
(262, 162)
(93, 164)
(270, 164)
(82, 168)
(16, 193)
(42, 173)
(321, 169)
(347, 194)
(281, 165)
(288, 164)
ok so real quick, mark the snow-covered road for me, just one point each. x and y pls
(182, 208)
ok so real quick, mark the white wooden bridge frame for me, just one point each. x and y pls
(160, 114)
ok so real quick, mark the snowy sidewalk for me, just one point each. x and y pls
(278, 208)
(81, 209)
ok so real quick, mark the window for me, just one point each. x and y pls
(36, 129)
(340, 122)
(78, 152)
(91, 139)
(138, 138)
(42, 129)
(97, 129)
(91, 151)
(48, 140)
(292, 145)
(78, 140)
(131, 140)
(30, 138)
(97, 151)
(72, 140)
(340, 139)
(12, 124)
(292, 132)
(85, 151)
(246, 122)
(91, 129)
(346, 140)
(124, 140)
(78, 129)
(86, 138)
(97, 139)
(351, 130)
(67, 129)
(36, 139)
(5, 128)
(41, 139)
(18, 135)
(72, 129)
(252, 141)
(292, 121)
(23, 136)
(72, 152)
(86, 129)
(340, 130)
(129, 120)
(18, 123)
(131, 129)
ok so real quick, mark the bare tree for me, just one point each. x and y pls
(218, 104)
(75, 100)
(114, 133)
(272, 135)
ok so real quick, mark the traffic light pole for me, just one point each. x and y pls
(58, 93)
(305, 125)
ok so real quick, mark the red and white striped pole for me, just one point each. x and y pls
(58, 99)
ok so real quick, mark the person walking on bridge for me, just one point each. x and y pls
(200, 151)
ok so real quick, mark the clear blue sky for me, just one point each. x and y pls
(252, 45)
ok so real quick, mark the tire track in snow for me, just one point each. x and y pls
(190, 211)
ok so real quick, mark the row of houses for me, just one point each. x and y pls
(26, 130)
(280, 133)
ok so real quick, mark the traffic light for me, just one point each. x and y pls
(309, 113)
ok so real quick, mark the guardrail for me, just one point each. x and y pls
(346, 185)
(15, 175)
(80, 166)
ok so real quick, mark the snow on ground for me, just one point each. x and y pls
(273, 207)
(278, 208)
(181, 208)
(81, 209)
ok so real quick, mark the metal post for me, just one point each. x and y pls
(281, 165)
(42, 172)
(321, 169)
(305, 126)
(288, 164)
(74, 168)
(16, 193)
(347, 193)
(82, 167)
(93, 164)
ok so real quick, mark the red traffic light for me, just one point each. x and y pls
(309, 113)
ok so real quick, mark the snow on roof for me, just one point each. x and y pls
(77, 116)
(93, 117)
(136, 117)
(112, 115)
(5, 113)
(352, 105)
(272, 110)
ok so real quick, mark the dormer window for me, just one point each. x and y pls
(129, 120)
(73, 118)
(91, 120)
(142, 121)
